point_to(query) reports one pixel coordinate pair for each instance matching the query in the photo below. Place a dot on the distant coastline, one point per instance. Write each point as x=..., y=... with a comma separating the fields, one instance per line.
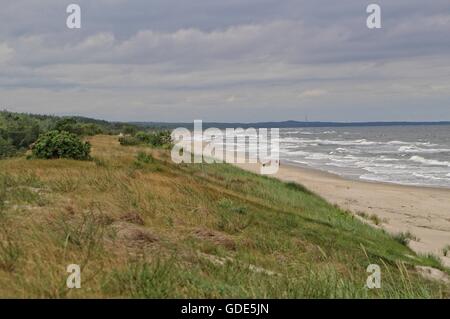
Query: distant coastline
x=263, y=124
x=286, y=124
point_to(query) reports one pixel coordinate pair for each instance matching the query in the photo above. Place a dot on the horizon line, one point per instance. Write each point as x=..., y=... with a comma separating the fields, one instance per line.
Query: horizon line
x=390, y=122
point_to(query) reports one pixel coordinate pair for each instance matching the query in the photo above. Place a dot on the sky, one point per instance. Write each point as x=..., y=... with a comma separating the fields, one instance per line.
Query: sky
x=227, y=61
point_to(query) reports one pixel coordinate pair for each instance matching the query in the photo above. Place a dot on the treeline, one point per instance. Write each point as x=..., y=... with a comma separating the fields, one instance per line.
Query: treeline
x=18, y=131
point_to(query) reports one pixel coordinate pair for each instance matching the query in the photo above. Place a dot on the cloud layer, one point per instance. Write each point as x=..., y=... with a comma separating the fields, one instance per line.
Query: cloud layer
x=227, y=60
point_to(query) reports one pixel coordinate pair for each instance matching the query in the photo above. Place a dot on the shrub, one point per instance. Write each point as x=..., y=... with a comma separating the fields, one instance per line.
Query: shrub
x=6, y=148
x=56, y=144
x=144, y=158
x=90, y=129
x=129, y=141
x=143, y=137
x=375, y=219
x=154, y=139
x=129, y=129
x=161, y=138
x=405, y=238
x=446, y=250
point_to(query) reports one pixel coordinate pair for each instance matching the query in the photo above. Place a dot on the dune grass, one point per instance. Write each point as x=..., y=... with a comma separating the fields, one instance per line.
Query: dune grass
x=140, y=226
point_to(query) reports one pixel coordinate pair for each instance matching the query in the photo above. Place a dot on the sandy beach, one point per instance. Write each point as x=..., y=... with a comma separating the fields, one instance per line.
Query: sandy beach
x=423, y=211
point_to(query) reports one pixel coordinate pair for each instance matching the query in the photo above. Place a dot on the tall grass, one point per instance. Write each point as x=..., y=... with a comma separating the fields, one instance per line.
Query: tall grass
x=203, y=231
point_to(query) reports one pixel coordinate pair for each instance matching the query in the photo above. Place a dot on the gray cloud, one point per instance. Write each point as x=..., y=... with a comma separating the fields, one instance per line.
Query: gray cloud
x=230, y=60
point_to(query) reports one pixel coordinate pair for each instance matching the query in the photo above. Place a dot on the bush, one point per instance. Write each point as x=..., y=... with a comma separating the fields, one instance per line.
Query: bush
x=128, y=141
x=143, y=137
x=405, y=238
x=56, y=144
x=446, y=250
x=155, y=139
x=6, y=148
x=129, y=129
x=144, y=158
x=161, y=138
x=90, y=129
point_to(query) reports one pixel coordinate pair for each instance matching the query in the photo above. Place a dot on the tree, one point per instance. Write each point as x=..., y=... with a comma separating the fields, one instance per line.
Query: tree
x=6, y=148
x=68, y=125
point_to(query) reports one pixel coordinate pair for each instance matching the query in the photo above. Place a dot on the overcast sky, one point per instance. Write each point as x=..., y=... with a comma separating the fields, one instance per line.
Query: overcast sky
x=228, y=60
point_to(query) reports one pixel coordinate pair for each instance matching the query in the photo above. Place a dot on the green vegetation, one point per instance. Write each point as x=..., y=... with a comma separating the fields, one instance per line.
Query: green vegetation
x=159, y=138
x=61, y=144
x=405, y=238
x=72, y=125
x=141, y=226
x=373, y=218
x=446, y=250
x=19, y=131
x=129, y=141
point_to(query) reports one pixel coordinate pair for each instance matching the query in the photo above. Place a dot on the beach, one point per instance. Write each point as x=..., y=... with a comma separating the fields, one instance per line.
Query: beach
x=423, y=211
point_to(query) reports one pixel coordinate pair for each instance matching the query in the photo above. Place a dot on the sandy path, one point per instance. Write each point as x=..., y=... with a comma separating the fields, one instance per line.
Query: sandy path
x=425, y=212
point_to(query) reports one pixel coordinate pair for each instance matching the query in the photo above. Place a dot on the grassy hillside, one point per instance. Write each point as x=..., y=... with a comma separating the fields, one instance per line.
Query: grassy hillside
x=140, y=226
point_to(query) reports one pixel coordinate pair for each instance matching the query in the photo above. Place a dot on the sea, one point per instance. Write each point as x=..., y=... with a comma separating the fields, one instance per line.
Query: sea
x=408, y=155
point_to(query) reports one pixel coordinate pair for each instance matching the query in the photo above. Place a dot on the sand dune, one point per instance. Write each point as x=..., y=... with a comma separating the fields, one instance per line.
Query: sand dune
x=425, y=212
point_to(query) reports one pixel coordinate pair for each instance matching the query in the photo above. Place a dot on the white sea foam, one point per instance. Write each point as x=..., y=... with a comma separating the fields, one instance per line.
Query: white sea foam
x=431, y=177
x=389, y=179
x=302, y=153
x=331, y=142
x=342, y=150
x=397, y=143
x=300, y=162
x=415, y=149
x=396, y=156
x=419, y=159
